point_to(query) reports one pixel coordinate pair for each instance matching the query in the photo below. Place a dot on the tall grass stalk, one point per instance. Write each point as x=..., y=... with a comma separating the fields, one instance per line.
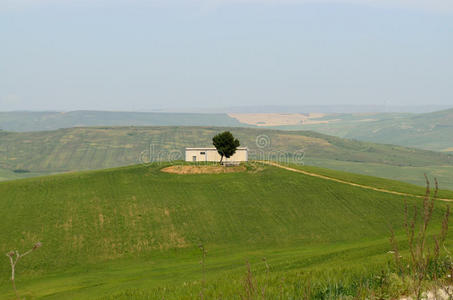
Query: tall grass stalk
x=249, y=284
x=423, y=260
x=203, y=269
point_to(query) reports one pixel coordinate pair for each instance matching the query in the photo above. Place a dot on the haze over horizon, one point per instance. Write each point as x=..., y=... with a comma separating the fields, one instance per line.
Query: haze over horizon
x=265, y=109
x=156, y=55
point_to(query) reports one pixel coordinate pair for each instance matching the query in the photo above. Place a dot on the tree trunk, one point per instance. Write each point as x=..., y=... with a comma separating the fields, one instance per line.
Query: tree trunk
x=221, y=160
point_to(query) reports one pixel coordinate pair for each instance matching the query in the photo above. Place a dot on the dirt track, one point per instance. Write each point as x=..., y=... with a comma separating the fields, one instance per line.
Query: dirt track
x=349, y=183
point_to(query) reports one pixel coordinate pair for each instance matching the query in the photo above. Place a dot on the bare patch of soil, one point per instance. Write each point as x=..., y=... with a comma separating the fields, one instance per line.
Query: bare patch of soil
x=203, y=169
x=278, y=119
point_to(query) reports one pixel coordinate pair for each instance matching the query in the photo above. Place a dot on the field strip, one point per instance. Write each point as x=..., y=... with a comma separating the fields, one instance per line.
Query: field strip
x=349, y=183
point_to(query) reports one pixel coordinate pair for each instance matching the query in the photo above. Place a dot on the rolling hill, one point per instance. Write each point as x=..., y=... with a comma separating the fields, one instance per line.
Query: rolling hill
x=39, y=121
x=134, y=232
x=25, y=154
x=430, y=131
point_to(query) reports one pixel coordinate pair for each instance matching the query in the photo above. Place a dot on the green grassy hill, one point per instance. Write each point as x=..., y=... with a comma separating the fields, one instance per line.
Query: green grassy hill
x=39, y=121
x=105, y=147
x=431, y=131
x=133, y=232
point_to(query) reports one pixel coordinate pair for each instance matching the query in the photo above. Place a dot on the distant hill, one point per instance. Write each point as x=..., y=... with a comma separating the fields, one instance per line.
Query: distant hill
x=109, y=231
x=332, y=109
x=39, y=121
x=430, y=131
x=30, y=153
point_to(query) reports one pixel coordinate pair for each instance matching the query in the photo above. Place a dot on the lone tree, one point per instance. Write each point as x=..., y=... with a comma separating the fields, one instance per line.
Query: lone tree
x=225, y=144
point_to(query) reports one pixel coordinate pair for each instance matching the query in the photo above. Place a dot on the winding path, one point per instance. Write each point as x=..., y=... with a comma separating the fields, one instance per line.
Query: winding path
x=348, y=183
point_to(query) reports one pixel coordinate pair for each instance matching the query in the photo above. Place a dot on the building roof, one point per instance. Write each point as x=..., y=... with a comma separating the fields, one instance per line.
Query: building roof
x=213, y=148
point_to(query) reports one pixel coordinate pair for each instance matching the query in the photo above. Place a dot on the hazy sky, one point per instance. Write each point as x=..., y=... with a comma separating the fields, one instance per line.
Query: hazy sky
x=144, y=55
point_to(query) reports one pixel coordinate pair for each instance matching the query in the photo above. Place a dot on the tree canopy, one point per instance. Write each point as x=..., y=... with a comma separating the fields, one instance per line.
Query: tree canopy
x=225, y=144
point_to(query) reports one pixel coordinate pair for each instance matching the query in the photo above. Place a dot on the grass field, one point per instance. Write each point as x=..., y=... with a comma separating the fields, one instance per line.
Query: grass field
x=409, y=174
x=96, y=148
x=133, y=232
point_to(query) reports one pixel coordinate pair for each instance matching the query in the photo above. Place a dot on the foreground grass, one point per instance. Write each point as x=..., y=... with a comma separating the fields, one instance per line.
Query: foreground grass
x=287, y=273
x=137, y=230
x=178, y=274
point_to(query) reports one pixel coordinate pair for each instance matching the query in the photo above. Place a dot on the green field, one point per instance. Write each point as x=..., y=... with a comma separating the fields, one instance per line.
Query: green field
x=76, y=149
x=133, y=232
x=409, y=174
x=430, y=131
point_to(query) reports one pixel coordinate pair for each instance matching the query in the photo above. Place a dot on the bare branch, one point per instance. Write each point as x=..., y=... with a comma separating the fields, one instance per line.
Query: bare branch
x=13, y=263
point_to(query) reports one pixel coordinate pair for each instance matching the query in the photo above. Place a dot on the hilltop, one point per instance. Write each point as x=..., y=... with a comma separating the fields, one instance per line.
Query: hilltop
x=33, y=153
x=109, y=231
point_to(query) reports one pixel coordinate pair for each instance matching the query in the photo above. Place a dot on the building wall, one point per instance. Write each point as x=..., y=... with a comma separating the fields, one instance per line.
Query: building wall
x=211, y=154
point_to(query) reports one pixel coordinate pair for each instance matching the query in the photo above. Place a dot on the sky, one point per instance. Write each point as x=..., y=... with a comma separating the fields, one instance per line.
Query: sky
x=138, y=55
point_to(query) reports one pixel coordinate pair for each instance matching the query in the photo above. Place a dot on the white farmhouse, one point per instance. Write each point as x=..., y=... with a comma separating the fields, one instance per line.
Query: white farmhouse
x=211, y=154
